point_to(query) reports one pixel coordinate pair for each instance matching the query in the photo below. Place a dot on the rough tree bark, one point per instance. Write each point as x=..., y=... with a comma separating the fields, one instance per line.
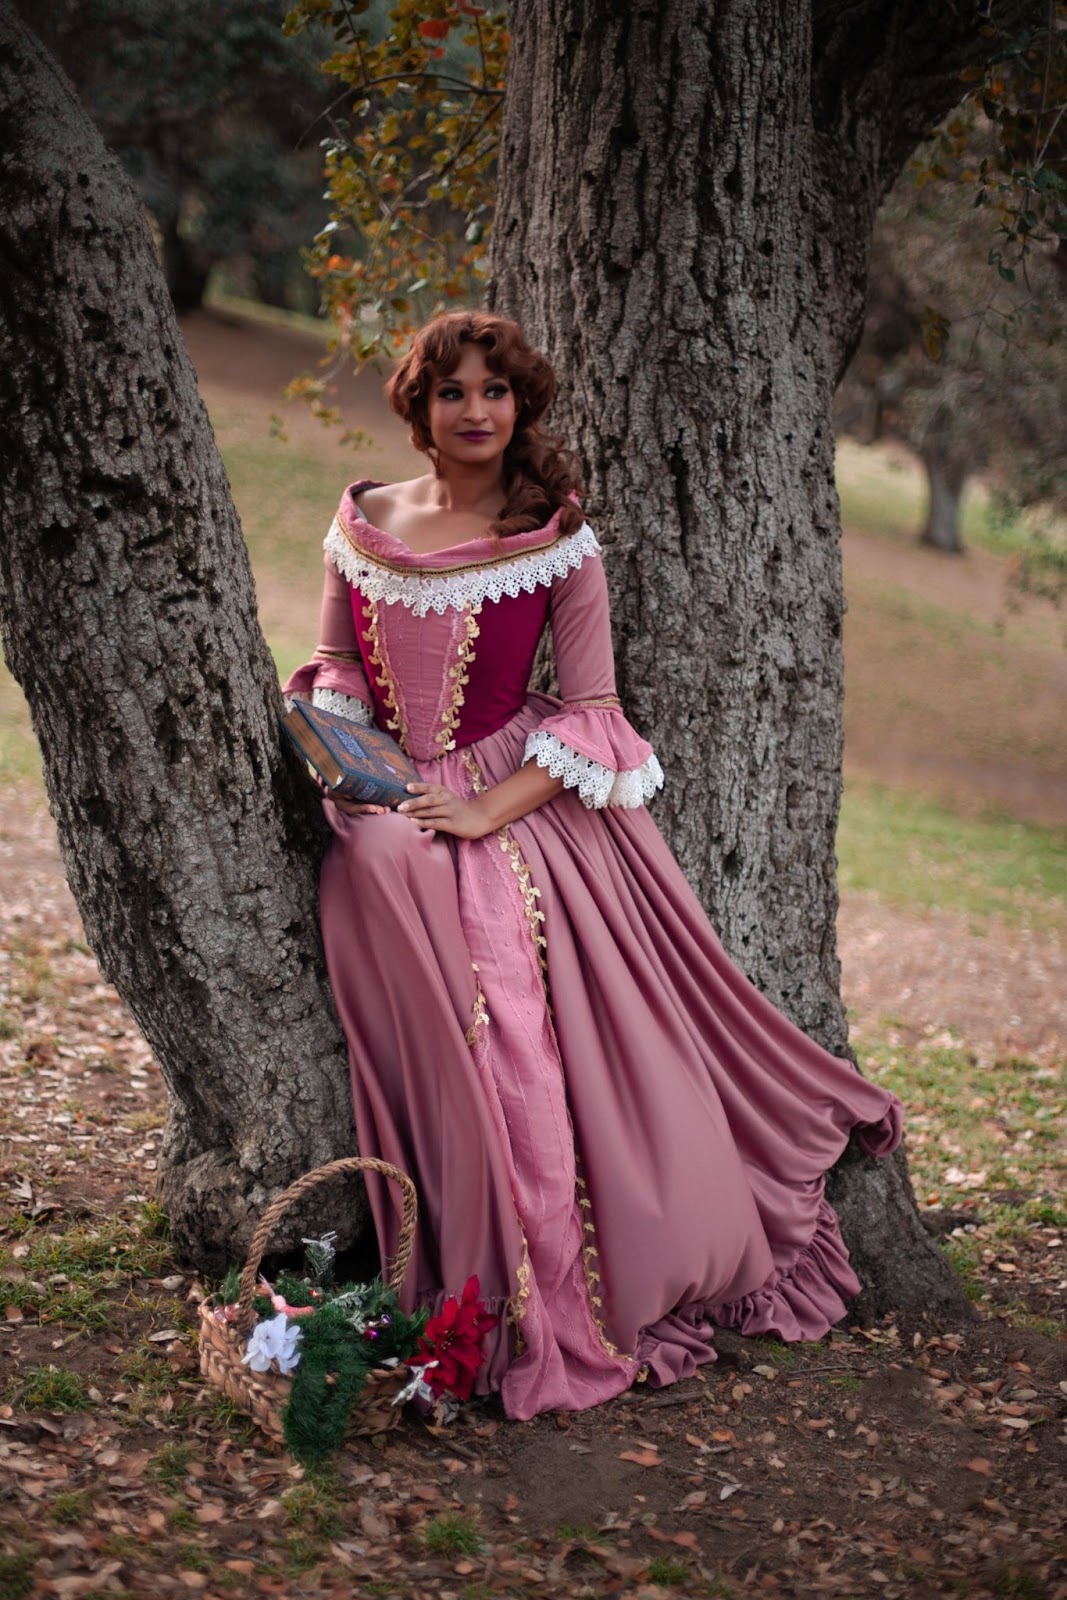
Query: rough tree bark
x=128, y=616
x=686, y=196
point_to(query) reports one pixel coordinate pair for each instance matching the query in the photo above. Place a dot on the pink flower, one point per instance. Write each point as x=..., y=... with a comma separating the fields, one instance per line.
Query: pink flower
x=455, y=1339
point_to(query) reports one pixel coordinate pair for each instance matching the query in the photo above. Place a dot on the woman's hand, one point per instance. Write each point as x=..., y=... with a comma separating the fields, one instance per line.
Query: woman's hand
x=351, y=808
x=433, y=806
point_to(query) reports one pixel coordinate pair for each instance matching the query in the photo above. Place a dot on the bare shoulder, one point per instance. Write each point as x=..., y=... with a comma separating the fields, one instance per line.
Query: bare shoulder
x=388, y=498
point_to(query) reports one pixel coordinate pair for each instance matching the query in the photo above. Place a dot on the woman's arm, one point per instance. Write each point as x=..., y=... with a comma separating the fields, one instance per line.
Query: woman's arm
x=432, y=806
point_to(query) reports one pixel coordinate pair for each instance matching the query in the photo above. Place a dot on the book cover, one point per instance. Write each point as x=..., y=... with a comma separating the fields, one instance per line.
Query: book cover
x=361, y=764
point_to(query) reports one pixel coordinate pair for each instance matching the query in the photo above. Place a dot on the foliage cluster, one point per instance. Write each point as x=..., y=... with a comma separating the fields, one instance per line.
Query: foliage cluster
x=410, y=165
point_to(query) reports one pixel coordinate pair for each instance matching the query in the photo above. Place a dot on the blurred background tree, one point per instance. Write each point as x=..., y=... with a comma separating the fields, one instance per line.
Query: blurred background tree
x=217, y=118
x=962, y=356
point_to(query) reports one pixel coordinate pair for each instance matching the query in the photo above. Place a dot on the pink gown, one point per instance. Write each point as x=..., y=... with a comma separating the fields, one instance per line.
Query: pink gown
x=605, y=1120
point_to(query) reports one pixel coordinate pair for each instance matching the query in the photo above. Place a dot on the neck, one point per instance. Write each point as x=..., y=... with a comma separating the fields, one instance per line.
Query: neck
x=462, y=488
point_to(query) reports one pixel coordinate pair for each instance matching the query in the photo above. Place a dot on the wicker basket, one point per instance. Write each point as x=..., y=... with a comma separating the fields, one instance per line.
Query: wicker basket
x=222, y=1344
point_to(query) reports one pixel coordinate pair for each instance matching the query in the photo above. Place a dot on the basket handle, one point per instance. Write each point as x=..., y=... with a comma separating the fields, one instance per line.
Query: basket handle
x=279, y=1206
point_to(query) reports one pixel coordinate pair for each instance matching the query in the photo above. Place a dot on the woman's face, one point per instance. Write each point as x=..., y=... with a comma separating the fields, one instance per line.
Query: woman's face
x=471, y=412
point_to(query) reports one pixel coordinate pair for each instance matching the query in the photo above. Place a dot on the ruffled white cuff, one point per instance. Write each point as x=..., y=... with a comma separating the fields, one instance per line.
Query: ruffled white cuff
x=598, y=785
x=349, y=706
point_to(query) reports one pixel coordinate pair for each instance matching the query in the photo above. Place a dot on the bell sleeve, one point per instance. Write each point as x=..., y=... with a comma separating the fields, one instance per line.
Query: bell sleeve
x=588, y=742
x=334, y=678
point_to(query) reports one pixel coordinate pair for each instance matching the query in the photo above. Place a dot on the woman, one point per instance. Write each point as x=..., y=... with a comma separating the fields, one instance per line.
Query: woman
x=605, y=1120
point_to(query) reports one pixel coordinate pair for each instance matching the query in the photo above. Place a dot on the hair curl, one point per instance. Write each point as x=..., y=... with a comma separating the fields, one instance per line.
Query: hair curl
x=540, y=477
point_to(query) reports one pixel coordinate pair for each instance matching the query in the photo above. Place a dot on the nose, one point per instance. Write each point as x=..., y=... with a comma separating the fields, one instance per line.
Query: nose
x=475, y=410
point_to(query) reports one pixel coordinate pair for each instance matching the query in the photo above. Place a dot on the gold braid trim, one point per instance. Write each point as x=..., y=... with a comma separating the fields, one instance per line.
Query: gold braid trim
x=459, y=675
x=516, y=1305
x=603, y=700
x=386, y=681
x=515, y=1308
x=530, y=894
x=479, y=1010
x=591, y=1265
x=339, y=655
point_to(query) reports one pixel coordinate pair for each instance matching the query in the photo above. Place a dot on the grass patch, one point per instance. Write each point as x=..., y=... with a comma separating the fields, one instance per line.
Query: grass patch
x=20, y=755
x=914, y=852
x=577, y=1530
x=452, y=1533
x=50, y=1388
x=671, y=1574
x=69, y=1276
x=16, y=1574
x=997, y=1123
x=171, y=1464
x=118, y=1245
x=314, y=1511
x=69, y=1507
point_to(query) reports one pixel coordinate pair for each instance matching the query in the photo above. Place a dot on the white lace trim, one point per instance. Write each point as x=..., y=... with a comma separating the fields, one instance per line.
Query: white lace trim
x=343, y=705
x=439, y=591
x=598, y=785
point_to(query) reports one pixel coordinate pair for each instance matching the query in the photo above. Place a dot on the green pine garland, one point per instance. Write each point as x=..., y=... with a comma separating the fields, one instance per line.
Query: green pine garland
x=335, y=1358
x=328, y=1381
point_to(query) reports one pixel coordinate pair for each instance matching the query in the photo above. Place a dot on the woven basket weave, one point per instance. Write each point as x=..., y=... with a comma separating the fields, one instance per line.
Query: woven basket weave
x=222, y=1344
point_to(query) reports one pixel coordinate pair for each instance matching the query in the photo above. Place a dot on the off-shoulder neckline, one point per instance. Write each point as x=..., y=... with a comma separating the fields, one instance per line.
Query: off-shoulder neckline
x=515, y=543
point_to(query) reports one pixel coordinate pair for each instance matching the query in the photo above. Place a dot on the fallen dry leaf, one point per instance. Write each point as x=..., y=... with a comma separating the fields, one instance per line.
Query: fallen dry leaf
x=641, y=1458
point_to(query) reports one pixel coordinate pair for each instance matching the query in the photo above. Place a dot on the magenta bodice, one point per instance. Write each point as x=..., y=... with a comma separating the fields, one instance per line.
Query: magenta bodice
x=490, y=668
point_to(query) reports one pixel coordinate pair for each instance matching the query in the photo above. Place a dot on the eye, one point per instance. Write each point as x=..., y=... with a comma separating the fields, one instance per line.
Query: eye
x=497, y=391
x=449, y=392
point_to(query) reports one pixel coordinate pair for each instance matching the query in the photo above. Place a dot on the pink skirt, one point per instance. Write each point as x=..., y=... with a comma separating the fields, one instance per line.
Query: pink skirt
x=605, y=1120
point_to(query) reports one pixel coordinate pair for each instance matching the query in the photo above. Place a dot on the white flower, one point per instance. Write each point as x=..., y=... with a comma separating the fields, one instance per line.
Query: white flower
x=274, y=1340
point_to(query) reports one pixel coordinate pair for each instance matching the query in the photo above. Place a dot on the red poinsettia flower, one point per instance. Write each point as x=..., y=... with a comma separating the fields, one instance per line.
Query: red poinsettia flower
x=455, y=1339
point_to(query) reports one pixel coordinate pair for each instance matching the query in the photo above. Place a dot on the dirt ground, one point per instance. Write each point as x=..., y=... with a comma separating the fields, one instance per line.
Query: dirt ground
x=881, y=1461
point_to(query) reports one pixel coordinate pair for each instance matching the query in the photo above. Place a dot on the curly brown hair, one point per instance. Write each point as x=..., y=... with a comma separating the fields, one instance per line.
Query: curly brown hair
x=540, y=476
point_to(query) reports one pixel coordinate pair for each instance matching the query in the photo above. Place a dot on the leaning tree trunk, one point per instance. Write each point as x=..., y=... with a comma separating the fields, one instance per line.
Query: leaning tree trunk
x=946, y=476
x=128, y=616
x=681, y=225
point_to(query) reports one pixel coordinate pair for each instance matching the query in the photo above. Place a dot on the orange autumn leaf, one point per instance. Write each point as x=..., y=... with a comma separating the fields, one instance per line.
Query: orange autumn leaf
x=643, y=1458
x=435, y=28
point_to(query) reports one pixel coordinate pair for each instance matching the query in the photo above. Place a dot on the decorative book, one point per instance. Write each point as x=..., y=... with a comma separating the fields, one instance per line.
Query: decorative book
x=360, y=764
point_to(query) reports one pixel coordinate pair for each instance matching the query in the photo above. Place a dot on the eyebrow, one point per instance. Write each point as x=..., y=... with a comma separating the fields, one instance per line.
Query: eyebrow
x=496, y=377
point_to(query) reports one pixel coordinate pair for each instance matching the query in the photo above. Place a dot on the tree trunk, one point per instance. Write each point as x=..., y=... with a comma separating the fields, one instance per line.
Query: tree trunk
x=128, y=616
x=671, y=228
x=185, y=268
x=946, y=475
